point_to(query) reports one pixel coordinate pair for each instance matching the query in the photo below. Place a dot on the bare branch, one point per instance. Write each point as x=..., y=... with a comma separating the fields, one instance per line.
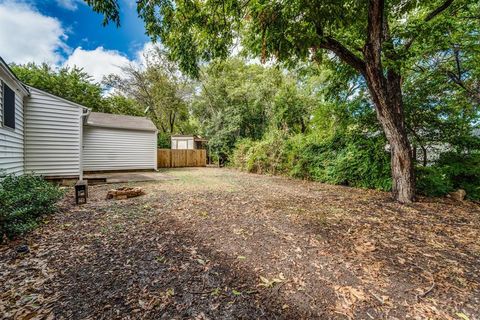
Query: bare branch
x=439, y=10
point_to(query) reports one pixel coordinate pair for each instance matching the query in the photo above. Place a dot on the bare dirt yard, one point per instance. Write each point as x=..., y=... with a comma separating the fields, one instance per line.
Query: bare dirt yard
x=220, y=244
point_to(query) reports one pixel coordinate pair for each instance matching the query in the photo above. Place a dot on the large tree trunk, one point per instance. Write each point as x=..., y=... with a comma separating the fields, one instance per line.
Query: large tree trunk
x=403, y=179
x=386, y=90
x=387, y=96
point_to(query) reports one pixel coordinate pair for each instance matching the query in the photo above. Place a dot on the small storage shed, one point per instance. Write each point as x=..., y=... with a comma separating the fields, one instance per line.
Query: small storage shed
x=118, y=142
x=187, y=142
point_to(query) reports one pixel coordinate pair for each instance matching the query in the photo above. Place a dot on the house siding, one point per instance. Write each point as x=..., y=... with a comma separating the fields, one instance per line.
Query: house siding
x=12, y=140
x=107, y=149
x=52, y=135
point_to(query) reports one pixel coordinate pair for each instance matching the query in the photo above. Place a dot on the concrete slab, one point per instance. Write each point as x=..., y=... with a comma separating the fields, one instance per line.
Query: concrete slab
x=124, y=177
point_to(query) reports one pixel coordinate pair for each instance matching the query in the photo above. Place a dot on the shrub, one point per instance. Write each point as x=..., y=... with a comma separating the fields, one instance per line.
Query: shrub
x=264, y=156
x=452, y=171
x=463, y=171
x=23, y=199
x=163, y=140
x=239, y=156
x=432, y=181
x=353, y=159
x=346, y=159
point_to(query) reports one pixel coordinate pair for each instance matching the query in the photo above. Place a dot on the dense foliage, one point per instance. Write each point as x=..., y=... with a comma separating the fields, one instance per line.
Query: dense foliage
x=348, y=159
x=23, y=200
x=236, y=100
x=380, y=40
x=341, y=142
x=69, y=83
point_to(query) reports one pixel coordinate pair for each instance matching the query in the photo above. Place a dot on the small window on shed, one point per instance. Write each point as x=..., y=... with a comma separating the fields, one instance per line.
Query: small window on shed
x=8, y=107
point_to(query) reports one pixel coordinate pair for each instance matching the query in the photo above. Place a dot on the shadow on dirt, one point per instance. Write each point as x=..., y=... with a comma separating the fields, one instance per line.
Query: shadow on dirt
x=157, y=272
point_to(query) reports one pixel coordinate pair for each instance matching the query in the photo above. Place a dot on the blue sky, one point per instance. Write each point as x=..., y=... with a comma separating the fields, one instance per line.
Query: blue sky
x=68, y=33
x=84, y=27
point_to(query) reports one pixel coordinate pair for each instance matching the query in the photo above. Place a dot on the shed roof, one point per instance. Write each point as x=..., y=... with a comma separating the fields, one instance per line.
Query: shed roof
x=195, y=137
x=117, y=121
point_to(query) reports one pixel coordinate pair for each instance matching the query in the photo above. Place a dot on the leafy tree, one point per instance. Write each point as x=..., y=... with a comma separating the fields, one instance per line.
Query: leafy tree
x=291, y=108
x=119, y=104
x=442, y=90
x=234, y=101
x=158, y=89
x=69, y=83
x=374, y=37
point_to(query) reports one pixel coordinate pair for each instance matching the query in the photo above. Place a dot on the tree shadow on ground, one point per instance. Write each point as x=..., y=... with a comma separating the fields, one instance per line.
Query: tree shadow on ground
x=156, y=271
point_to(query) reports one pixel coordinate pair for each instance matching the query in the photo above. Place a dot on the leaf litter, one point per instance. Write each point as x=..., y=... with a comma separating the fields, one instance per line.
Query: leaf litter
x=220, y=244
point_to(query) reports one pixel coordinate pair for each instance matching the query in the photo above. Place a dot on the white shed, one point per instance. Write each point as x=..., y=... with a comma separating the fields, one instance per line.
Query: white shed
x=189, y=142
x=119, y=142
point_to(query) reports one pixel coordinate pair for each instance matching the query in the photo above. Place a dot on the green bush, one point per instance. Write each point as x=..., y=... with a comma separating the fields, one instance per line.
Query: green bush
x=163, y=140
x=353, y=159
x=23, y=199
x=452, y=171
x=432, y=181
x=348, y=159
x=463, y=171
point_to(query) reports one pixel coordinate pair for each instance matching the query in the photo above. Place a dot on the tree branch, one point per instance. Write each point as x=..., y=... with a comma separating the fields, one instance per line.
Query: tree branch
x=343, y=53
x=375, y=30
x=439, y=10
x=429, y=17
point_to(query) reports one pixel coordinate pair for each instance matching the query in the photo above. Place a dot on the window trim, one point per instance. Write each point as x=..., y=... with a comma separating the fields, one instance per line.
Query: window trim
x=2, y=123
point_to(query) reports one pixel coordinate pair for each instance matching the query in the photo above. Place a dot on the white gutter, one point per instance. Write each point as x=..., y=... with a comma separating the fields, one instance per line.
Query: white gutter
x=83, y=116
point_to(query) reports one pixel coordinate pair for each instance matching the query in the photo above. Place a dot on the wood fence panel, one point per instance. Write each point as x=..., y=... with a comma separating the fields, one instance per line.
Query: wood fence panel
x=201, y=158
x=164, y=158
x=167, y=158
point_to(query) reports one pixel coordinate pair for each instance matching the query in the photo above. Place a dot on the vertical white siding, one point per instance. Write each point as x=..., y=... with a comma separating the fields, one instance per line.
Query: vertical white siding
x=12, y=141
x=52, y=135
x=118, y=149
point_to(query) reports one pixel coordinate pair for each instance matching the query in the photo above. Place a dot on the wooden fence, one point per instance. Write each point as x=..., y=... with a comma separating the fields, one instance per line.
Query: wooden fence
x=168, y=158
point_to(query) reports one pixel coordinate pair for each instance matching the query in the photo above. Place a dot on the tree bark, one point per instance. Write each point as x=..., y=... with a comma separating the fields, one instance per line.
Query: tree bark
x=386, y=92
x=424, y=153
x=390, y=115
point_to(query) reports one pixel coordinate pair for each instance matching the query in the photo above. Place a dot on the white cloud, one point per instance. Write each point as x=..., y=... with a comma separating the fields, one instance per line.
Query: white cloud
x=71, y=5
x=28, y=36
x=142, y=54
x=99, y=62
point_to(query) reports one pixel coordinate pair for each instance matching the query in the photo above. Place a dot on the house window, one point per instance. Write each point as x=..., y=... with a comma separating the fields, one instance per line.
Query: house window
x=8, y=107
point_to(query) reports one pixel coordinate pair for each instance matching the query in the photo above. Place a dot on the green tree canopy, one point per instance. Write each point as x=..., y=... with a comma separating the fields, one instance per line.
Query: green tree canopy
x=69, y=83
x=376, y=38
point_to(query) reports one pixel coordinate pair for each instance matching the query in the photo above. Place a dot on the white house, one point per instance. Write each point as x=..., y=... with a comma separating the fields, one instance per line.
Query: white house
x=44, y=134
x=189, y=142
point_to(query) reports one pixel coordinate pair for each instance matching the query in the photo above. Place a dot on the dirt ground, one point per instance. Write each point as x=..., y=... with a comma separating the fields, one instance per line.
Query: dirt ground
x=220, y=244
